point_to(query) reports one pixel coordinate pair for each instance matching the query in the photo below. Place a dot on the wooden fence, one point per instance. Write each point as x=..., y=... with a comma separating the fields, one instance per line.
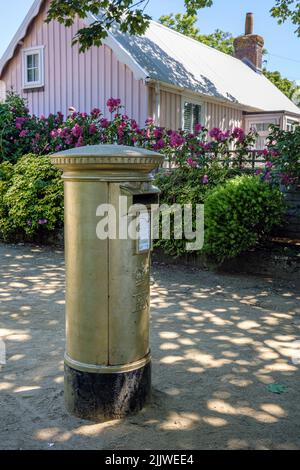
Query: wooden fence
x=249, y=162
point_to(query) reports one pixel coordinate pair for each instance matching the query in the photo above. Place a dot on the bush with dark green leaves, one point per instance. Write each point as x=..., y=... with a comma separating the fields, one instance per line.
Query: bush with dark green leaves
x=31, y=199
x=186, y=185
x=240, y=213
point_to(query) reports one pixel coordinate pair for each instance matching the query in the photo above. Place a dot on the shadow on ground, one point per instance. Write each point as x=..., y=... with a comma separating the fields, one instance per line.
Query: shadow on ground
x=218, y=341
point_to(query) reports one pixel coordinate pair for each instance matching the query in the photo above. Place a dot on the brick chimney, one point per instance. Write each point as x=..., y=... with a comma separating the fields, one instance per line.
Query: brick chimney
x=249, y=48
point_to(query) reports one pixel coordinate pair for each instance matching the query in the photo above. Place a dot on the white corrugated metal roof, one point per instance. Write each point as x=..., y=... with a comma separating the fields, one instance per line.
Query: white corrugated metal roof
x=173, y=58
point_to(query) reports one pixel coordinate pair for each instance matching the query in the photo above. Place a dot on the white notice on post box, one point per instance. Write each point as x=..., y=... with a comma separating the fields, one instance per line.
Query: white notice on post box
x=144, y=240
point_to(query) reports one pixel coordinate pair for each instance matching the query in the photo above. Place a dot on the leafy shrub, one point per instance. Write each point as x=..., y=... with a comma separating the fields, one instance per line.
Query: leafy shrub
x=31, y=198
x=21, y=133
x=283, y=160
x=187, y=185
x=282, y=157
x=240, y=213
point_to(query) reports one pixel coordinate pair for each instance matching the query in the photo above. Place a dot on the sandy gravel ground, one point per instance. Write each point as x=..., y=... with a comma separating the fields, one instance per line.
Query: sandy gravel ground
x=217, y=342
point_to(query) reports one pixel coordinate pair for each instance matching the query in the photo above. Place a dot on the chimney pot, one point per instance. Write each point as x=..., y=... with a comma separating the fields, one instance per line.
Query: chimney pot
x=249, y=48
x=249, y=24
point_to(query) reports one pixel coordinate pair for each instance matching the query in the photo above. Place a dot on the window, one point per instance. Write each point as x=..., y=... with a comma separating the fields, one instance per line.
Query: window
x=191, y=116
x=291, y=125
x=262, y=128
x=33, y=67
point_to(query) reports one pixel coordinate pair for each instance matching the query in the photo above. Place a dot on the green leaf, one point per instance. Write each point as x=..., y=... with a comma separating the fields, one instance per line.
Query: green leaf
x=277, y=388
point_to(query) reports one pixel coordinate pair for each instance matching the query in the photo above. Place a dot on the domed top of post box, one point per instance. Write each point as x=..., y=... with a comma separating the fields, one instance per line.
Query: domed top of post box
x=107, y=158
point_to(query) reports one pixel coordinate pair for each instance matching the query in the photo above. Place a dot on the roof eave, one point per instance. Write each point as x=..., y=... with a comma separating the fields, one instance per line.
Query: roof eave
x=121, y=53
x=20, y=34
x=204, y=96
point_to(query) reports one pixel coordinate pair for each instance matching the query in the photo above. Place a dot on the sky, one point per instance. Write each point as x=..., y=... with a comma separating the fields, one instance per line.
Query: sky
x=281, y=42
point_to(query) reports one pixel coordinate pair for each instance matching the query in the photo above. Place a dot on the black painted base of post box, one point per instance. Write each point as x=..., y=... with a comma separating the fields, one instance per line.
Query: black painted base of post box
x=103, y=397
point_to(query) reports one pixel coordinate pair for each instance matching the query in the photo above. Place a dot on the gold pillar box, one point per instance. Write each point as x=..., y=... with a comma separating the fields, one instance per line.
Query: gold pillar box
x=107, y=360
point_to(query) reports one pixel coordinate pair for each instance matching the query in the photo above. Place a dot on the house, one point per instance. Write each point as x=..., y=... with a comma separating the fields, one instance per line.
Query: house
x=174, y=79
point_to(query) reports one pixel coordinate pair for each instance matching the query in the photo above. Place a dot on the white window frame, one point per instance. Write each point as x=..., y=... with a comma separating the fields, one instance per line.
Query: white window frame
x=290, y=122
x=253, y=121
x=31, y=51
x=191, y=100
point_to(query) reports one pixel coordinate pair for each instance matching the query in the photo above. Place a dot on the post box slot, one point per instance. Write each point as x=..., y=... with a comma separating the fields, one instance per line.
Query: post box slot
x=145, y=199
x=147, y=196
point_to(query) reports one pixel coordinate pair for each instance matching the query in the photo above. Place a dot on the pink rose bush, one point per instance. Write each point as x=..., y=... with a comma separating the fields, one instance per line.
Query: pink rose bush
x=281, y=157
x=45, y=135
x=24, y=133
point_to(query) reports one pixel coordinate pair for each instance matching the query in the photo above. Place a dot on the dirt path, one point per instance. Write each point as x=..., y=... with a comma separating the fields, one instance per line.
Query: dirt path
x=217, y=342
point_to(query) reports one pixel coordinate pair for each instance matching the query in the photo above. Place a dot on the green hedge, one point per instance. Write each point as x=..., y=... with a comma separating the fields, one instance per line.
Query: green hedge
x=239, y=214
x=239, y=210
x=31, y=198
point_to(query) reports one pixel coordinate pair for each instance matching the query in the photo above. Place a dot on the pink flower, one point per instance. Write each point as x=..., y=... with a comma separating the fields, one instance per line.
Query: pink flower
x=191, y=163
x=104, y=123
x=121, y=129
x=79, y=142
x=95, y=112
x=267, y=176
x=149, y=121
x=77, y=131
x=113, y=104
x=208, y=147
x=19, y=122
x=60, y=117
x=238, y=134
x=158, y=133
x=160, y=144
x=64, y=132
x=42, y=222
x=176, y=140
x=198, y=128
x=92, y=129
x=23, y=133
x=286, y=179
x=264, y=153
x=134, y=125
x=269, y=164
x=205, y=179
x=215, y=132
